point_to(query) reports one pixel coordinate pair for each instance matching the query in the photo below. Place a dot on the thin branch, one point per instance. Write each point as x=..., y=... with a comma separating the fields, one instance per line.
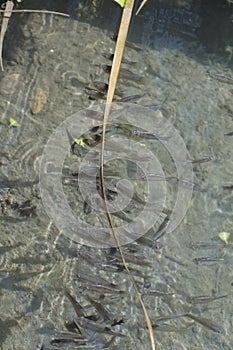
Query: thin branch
x=38, y=11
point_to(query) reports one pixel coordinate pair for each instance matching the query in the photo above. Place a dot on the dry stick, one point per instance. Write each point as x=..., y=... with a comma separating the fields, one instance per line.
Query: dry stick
x=126, y=16
x=5, y=20
x=141, y=6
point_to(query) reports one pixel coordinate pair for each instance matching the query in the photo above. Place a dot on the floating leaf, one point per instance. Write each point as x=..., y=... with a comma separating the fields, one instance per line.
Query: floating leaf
x=13, y=122
x=224, y=236
x=120, y=2
x=80, y=142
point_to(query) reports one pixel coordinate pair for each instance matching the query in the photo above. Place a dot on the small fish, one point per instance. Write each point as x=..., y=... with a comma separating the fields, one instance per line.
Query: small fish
x=202, y=160
x=89, y=324
x=110, y=57
x=228, y=187
x=203, y=321
x=100, y=86
x=207, y=260
x=164, y=327
x=148, y=242
x=156, y=293
x=220, y=77
x=86, y=208
x=124, y=74
x=162, y=228
x=229, y=134
x=147, y=135
x=103, y=312
x=93, y=93
x=77, y=307
x=205, y=245
x=202, y=299
x=213, y=326
x=128, y=44
x=131, y=99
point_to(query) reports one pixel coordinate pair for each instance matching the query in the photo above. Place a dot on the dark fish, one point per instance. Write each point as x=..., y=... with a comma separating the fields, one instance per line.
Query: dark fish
x=212, y=325
x=89, y=324
x=128, y=44
x=205, y=245
x=124, y=74
x=148, y=135
x=164, y=327
x=100, y=86
x=215, y=327
x=222, y=78
x=148, y=242
x=229, y=134
x=202, y=299
x=110, y=57
x=131, y=99
x=86, y=208
x=228, y=187
x=207, y=260
x=93, y=93
x=156, y=293
x=202, y=160
x=102, y=289
x=77, y=307
x=162, y=228
x=102, y=311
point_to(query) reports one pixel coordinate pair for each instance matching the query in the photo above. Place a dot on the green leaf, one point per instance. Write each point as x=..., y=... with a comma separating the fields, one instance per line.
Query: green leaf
x=120, y=2
x=224, y=236
x=13, y=122
x=80, y=142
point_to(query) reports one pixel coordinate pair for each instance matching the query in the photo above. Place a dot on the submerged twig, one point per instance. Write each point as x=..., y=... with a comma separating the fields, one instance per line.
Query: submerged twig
x=141, y=6
x=37, y=11
x=6, y=16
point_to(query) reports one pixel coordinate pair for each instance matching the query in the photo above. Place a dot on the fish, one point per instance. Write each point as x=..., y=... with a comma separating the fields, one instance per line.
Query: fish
x=124, y=74
x=202, y=299
x=102, y=311
x=229, y=134
x=164, y=327
x=205, y=245
x=220, y=77
x=202, y=160
x=110, y=56
x=100, y=86
x=6, y=16
x=94, y=326
x=128, y=44
x=132, y=98
x=207, y=260
x=77, y=307
x=148, y=135
x=93, y=93
x=212, y=325
x=228, y=187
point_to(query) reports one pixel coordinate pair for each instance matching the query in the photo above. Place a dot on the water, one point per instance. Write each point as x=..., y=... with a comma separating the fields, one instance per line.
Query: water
x=48, y=62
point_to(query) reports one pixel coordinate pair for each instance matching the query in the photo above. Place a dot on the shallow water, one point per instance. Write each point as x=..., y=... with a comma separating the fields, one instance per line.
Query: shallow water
x=47, y=66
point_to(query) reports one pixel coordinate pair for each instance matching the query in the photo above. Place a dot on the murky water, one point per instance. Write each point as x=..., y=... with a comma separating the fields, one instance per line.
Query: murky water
x=48, y=63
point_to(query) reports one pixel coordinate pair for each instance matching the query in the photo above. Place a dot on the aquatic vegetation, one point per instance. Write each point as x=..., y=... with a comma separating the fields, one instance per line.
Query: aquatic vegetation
x=224, y=236
x=13, y=122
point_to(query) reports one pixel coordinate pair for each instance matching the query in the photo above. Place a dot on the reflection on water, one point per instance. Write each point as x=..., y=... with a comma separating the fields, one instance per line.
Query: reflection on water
x=49, y=61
